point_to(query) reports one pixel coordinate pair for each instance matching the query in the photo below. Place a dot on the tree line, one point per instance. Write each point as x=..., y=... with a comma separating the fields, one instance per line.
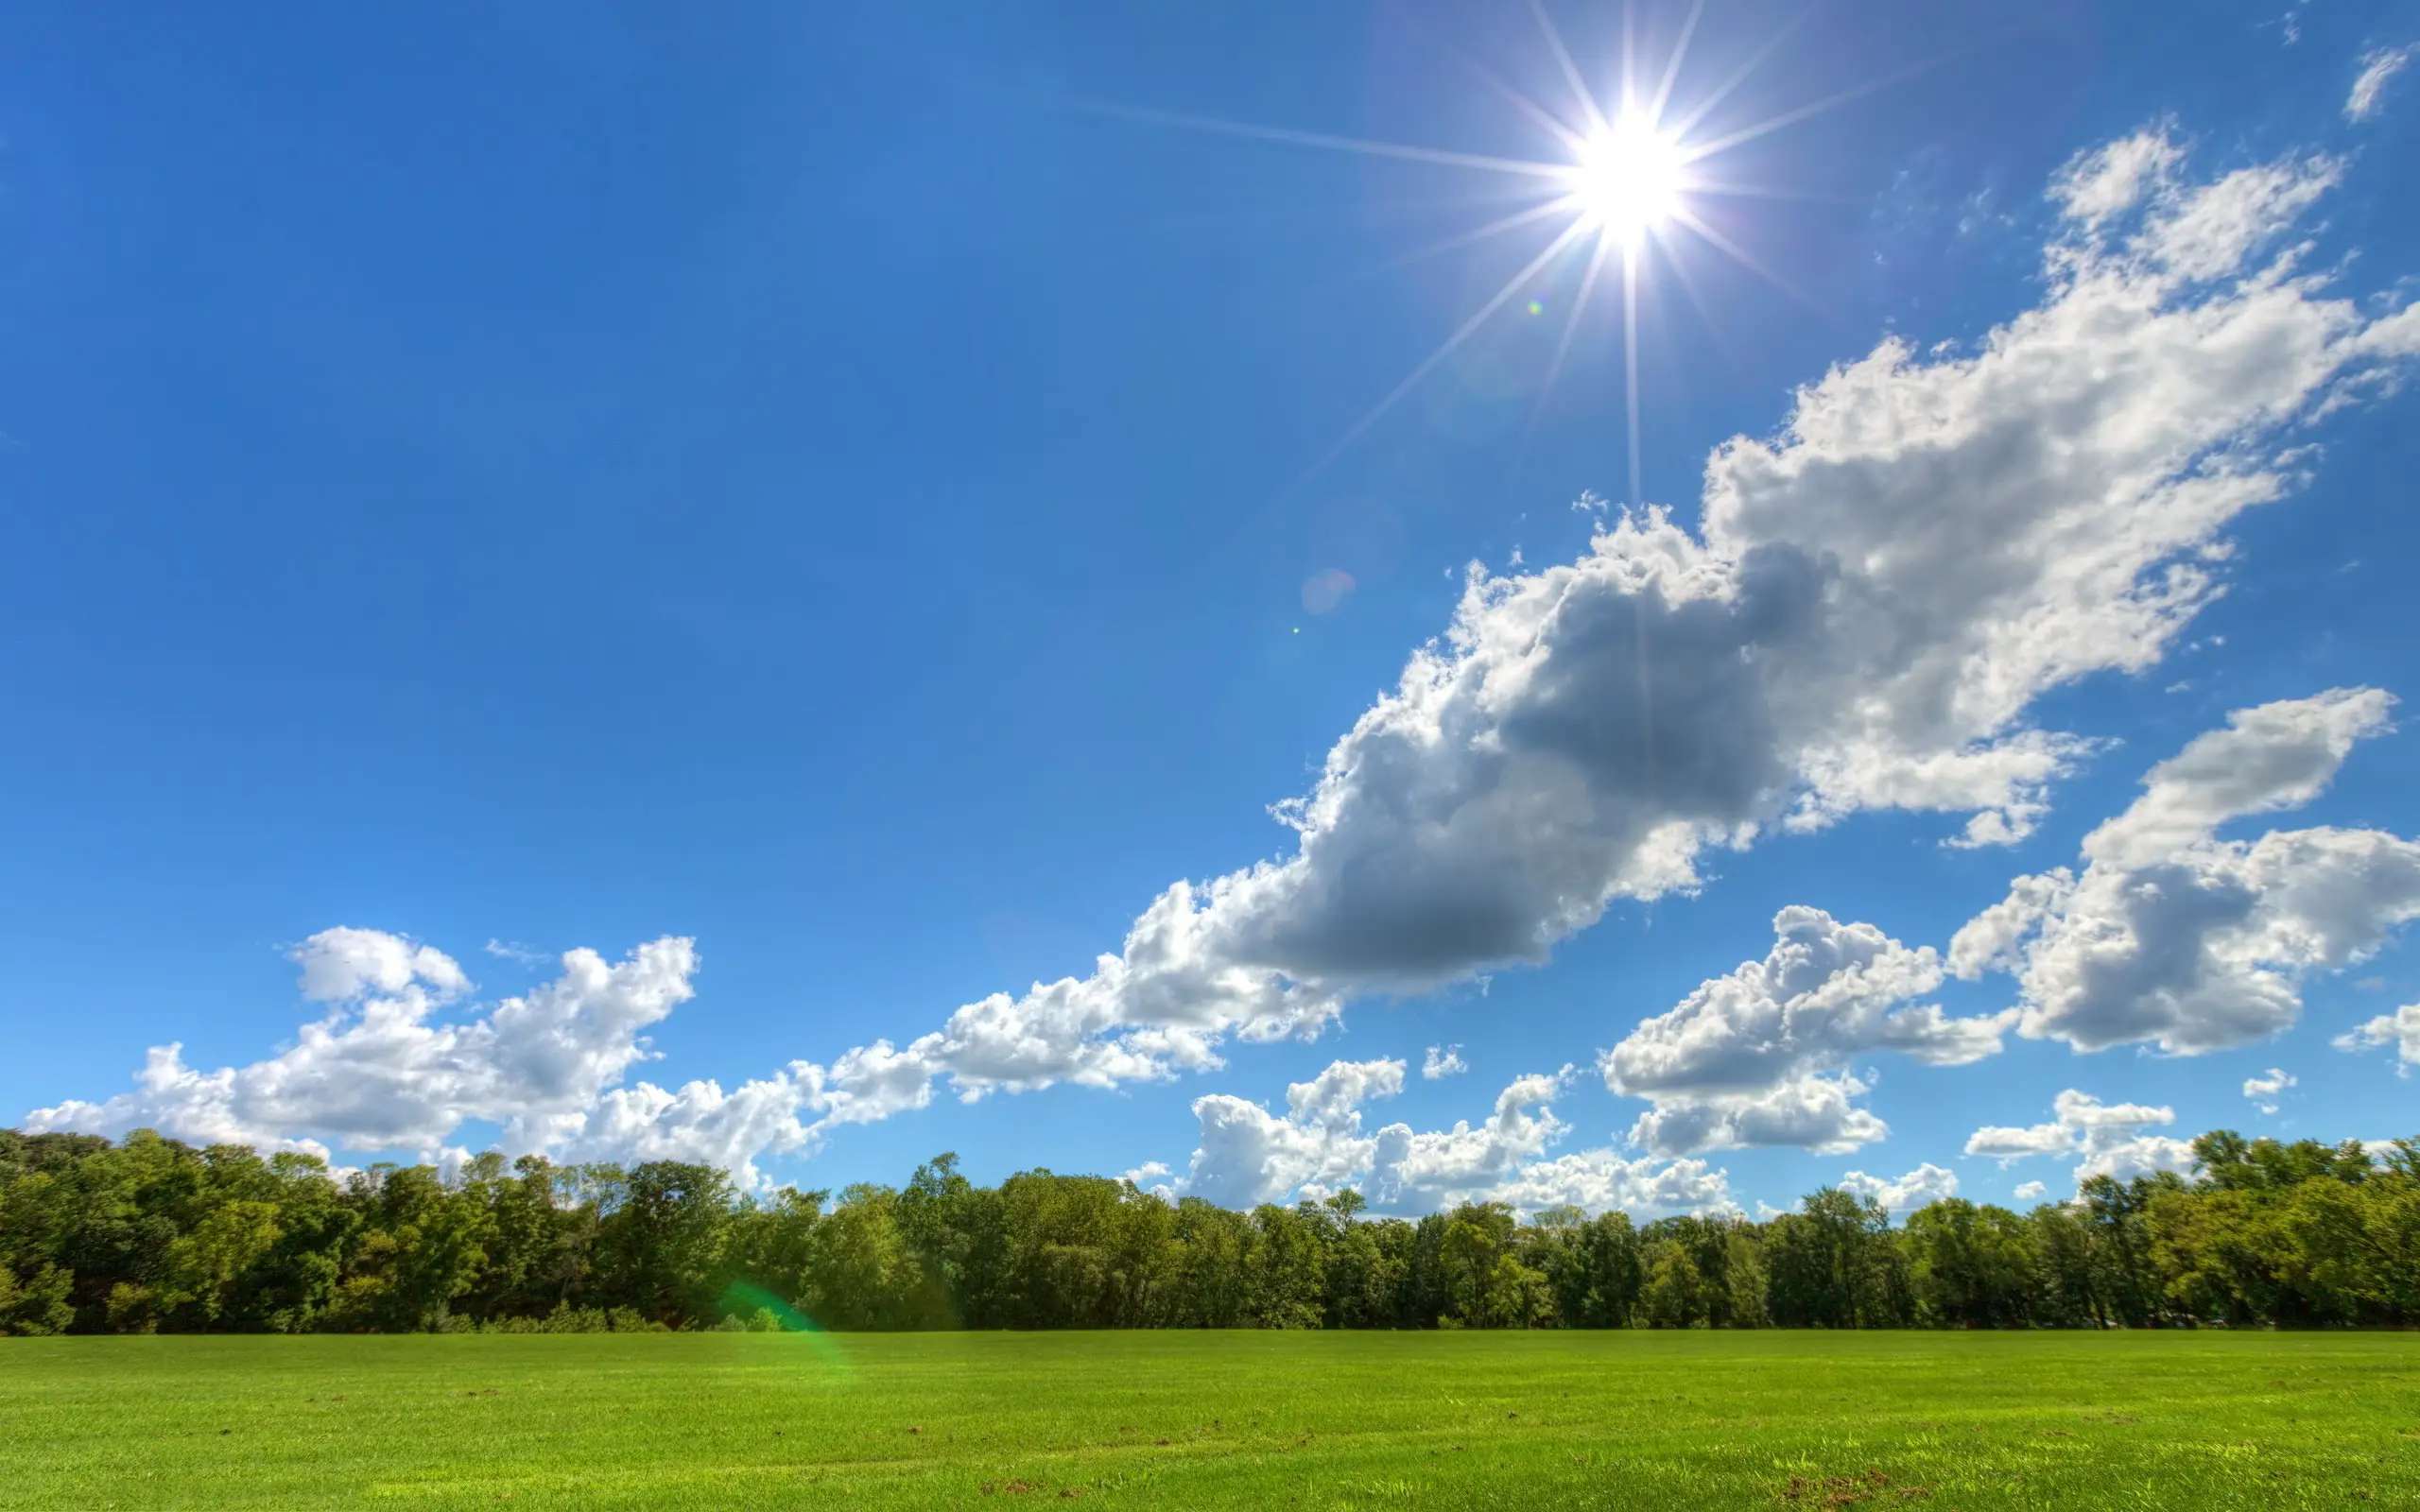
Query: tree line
x=151, y=1235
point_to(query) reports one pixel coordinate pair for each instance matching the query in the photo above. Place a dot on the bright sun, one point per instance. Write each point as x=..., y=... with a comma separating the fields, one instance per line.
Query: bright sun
x=1624, y=190
x=1629, y=178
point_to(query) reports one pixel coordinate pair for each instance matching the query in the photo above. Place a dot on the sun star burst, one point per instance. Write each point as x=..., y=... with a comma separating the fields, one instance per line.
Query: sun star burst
x=1621, y=196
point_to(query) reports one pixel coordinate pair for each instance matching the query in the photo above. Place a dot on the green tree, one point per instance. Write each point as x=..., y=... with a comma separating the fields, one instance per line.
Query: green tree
x=1971, y=1267
x=1480, y=1291
x=1287, y=1268
x=2115, y=1217
x=1676, y=1294
x=1834, y=1265
x=208, y=1268
x=422, y=1245
x=663, y=1247
x=36, y=1305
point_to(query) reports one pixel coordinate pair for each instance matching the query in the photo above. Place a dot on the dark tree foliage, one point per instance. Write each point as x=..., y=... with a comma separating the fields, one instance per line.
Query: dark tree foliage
x=150, y=1235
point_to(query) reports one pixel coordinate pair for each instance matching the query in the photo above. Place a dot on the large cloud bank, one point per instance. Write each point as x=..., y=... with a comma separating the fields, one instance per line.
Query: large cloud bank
x=1872, y=599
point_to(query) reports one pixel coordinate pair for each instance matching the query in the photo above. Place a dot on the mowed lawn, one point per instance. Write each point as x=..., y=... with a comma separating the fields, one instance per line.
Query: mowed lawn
x=1623, y=1420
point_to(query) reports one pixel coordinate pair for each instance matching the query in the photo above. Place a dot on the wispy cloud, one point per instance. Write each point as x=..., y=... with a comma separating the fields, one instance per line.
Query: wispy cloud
x=520, y=955
x=2379, y=65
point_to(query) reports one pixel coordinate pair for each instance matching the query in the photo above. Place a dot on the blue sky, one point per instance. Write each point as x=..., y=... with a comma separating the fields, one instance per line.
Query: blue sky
x=872, y=496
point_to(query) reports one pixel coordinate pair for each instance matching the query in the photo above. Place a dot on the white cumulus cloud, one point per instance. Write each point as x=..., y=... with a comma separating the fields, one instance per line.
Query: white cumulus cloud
x=1504, y=1160
x=1250, y=1154
x=1602, y=1181
x=1443, y=1060
x=2110, y=1137
x=1760, y=1057
x=1928, y=1183
x=2399, y=1029
x=379, y=1073
x=1432, y=1167
x=341, y=964
x=2266, y=1088
x=2173, y=936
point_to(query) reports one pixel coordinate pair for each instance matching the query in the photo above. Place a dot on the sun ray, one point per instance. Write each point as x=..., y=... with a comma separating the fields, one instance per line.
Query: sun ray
x=1539, y=116
x=1729, y=190
x=1444, y=349
x=1680, y=267
x=1587, y=98
x=1630, y=56
x=1748, y=260
x=1477, y=233
x=1563, y=343
x=1325, y=142
x=1672, y=68
x=1630, y=367
x=1560, y=132
x=1395, y=210
x=1722, y=144
x=1739, y=75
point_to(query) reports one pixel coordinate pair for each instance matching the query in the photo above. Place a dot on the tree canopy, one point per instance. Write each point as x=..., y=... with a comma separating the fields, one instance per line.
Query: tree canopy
x=153, y=1235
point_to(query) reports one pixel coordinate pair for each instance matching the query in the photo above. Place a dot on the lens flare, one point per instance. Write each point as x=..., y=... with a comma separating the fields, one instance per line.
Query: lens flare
x=746, y=1300
x=1325, y=589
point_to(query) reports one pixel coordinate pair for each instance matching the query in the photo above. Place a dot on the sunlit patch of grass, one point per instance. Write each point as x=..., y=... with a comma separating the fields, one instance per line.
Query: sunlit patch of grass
x=1767, y=1419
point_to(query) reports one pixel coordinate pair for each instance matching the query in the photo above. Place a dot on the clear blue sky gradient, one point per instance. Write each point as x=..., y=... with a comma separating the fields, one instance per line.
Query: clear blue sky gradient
x=795, y=476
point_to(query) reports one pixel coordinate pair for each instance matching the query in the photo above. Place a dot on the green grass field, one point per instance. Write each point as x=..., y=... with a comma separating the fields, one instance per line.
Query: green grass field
x=1768, y=1419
